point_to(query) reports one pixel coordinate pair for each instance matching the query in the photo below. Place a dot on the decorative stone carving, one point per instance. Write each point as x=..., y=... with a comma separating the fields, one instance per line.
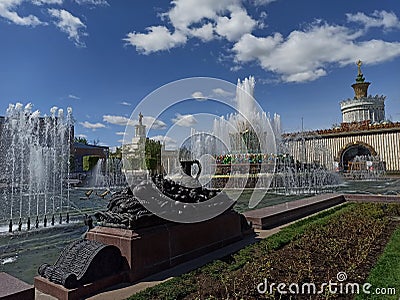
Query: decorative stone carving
x=81, y=262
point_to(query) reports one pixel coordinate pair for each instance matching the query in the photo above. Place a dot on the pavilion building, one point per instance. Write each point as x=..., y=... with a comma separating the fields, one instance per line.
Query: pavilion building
x=364, y=131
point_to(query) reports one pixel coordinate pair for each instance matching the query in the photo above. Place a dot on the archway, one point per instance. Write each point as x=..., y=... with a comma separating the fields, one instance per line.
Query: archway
x=352, y=150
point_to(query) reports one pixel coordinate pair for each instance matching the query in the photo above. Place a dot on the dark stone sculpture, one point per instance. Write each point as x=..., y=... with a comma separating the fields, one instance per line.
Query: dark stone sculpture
x=125, y=209
x=81, y=262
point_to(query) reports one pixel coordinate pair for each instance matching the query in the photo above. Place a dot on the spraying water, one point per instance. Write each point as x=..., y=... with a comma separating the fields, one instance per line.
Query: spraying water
x=36, y=164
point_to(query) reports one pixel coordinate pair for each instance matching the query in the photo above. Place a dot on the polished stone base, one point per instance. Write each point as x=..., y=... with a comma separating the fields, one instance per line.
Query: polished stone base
x=12, y=288
x=154, y=249
x=273, y=216
x=276, y=215
x=62, y=293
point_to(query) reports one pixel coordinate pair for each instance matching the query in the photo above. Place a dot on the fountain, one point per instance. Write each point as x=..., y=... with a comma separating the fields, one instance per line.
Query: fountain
x=107, y=173
x=247, y=157
x=250, y=130
x=301, y=166
x=34, y=166
x=366, y=167
x=250, y=133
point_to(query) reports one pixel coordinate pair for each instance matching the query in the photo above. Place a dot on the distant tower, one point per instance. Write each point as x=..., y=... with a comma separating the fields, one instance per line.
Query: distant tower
x=136, y=149
x=363, y=107
x=140, y=129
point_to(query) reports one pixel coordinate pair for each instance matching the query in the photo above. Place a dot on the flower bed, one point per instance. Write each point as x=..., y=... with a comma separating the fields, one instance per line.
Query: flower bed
x=339, y=246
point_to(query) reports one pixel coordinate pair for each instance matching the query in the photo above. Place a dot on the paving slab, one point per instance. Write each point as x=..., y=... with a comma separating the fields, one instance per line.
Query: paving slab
x=12, y=288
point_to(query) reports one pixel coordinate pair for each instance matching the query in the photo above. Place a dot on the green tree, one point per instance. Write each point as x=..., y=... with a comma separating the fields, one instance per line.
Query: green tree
x=79, y=139
x=153, y=156
x=89, y=161
x=117, y=153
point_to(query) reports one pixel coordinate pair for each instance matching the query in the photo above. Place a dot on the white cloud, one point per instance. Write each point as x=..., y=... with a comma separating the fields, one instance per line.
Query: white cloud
x=125, y=103
x=205, y=32
x=93, y=126
x=47, y=2
x=304, y=76
x=84, y=136
x=197, y=94
x=262, y=2
x=186, y=13
x=184, y=120
x=65, y=21
x=387, y=20
x=206, y=20
x=250, y=48
x=120, y=133
x=221, y=92
x=304, y=55
x=153, y=123
x=7, y=11
x=93, y=2
x=124, y=121
x=118, y=120
x=157, y=38
x=233, y=27
x=73, y=97
x=69, y=24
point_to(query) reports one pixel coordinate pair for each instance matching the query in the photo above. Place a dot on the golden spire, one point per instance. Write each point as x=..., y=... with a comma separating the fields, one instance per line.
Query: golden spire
x=360, y=87
x=360, y=77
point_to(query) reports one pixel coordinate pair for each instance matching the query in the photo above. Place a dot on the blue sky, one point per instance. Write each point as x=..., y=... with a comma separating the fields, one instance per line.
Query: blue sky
x=102, y=57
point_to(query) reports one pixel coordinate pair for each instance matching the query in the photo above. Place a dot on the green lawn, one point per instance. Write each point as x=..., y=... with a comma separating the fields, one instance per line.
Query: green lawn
x=386, y=274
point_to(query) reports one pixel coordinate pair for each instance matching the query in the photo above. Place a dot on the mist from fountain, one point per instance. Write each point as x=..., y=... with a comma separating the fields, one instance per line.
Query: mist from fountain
x=254, y=132
x=35, y=165
x=366, y=167
x=107, y=173
x=249, y=119
x=249, y=131
x=301, y=166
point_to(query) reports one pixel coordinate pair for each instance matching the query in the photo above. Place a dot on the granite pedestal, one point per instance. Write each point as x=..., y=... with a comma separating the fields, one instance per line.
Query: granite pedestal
x=153, y=249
